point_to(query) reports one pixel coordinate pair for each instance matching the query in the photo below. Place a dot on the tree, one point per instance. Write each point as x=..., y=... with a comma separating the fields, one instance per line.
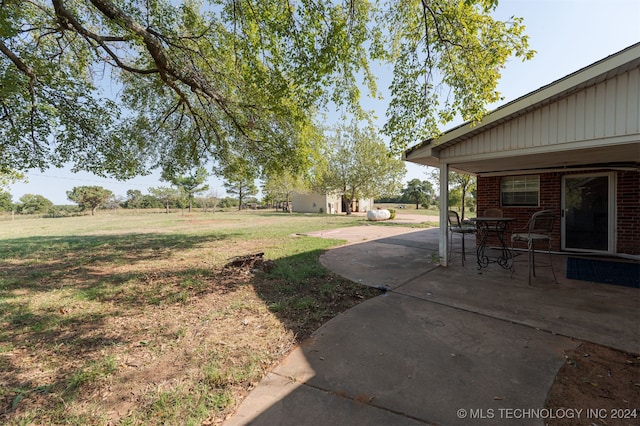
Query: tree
x=228, y=202
x=134, y=199
x=114, y=202
x=165, y=195
x=237, y=78
x=461, y=186
x=464, y=183
x=9, y=176
x=449, y=68
x=34, y=204
x=418, y=191
x=279, y=188
x=89, y=197
x=242, y=187
x=210, y=199
x=239, y=180
x=191, y=184
x=6, y=205
x=358, y=165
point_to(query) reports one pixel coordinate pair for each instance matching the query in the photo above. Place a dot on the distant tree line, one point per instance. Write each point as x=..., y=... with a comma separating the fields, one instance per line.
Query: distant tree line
x=88, y=199
x=276, y=194
x=462, y=193
x=418, y=192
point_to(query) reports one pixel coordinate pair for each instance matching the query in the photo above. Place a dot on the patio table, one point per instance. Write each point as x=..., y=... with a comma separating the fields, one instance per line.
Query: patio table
x=498, y=226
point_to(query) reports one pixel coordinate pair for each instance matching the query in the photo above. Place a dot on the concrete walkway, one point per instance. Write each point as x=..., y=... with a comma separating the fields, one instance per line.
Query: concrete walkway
x=443, y=346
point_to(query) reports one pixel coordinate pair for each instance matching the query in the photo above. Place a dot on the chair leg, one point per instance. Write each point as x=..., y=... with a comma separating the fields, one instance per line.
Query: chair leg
x=531, y=259
x=551, y=265
x=513, y=264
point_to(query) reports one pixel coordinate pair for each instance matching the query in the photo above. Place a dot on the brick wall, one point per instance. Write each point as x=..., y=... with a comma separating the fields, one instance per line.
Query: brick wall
x=628, y=212
x=628, y=207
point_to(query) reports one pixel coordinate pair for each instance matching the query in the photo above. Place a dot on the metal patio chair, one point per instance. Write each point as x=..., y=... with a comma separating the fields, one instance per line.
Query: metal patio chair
x=539, y=229
x=493, y=213
x=456, y=227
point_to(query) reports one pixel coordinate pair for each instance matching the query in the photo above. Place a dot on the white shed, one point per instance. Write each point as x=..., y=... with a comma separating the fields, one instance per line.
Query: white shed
x=314, y=202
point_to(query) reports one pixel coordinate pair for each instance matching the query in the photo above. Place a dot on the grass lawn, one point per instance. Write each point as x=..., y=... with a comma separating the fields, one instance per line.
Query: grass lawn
x=132, y=319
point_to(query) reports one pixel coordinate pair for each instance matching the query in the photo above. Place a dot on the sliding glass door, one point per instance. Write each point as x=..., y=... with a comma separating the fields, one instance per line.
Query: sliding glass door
x=588, y=207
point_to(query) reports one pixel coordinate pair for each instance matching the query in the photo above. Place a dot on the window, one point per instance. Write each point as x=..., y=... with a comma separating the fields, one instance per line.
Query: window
x=520, y=190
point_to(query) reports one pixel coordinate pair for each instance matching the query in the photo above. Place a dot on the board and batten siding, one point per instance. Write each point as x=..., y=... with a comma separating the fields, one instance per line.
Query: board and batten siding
x=603, y=111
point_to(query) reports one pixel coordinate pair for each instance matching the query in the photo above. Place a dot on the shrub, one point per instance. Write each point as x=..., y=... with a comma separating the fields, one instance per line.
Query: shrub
x=393, y=214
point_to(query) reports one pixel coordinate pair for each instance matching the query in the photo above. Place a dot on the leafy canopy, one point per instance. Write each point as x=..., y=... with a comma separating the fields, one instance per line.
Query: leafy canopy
x=418, y=191
x=89, y=197
x=190, y=184
x=9, y=177
x=195, y=82
x=239, y=180
x=358, y=165
x=447, y=59
x=34, y=204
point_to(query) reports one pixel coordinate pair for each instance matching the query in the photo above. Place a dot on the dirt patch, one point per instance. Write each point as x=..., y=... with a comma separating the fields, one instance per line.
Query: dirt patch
x=597, y=386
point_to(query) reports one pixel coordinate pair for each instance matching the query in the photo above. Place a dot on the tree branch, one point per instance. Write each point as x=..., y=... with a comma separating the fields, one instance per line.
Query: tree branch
x=24, y=68
x=67, y=20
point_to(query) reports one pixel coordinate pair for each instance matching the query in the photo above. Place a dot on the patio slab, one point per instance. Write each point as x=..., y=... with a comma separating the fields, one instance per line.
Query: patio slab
x=397, y=359
x=442, y=345
x=599, y=313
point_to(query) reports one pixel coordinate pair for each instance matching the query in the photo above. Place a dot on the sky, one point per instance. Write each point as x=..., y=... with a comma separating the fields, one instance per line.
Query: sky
x=567, y=35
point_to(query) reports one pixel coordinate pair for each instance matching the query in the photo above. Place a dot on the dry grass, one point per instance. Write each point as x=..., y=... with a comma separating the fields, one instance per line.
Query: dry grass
x=134, y=319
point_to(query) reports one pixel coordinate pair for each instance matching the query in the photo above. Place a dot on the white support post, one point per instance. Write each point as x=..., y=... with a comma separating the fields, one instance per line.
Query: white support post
x=444, y=214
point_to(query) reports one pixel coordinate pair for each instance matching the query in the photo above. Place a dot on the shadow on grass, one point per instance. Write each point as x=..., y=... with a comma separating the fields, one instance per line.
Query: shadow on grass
x=63, y=299
x=85, y=268
x=41, y=264
x=303, y=294
x=108, y=248
x=57, y=294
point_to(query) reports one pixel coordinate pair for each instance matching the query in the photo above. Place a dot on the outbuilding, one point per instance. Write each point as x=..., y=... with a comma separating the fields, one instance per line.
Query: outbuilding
x=315, y=202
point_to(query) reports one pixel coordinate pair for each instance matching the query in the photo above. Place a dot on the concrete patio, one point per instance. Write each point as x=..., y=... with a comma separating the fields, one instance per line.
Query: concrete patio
x=599, y=313
x=443, y=345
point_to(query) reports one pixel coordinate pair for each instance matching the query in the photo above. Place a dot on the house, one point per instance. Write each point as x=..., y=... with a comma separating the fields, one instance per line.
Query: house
x=572, y=146
x=314, y=202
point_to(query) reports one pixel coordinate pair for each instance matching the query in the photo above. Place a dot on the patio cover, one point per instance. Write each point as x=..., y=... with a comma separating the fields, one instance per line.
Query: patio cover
x=587, y=120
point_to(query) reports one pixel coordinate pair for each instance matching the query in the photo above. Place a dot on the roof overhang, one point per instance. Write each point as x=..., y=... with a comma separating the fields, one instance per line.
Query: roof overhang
x=619, y=154
x=622, y=151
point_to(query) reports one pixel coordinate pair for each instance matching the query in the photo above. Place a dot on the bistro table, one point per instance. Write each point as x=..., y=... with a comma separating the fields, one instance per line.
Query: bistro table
x=497, y=226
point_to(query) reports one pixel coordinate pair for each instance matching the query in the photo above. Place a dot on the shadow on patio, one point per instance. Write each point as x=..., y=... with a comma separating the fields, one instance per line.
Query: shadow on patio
x=439, y=341
x=405, y=263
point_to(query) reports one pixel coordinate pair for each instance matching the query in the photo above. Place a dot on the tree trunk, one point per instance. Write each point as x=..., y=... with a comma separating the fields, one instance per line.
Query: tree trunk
x=93, y=211
x=464, y=195
x=347, y=204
